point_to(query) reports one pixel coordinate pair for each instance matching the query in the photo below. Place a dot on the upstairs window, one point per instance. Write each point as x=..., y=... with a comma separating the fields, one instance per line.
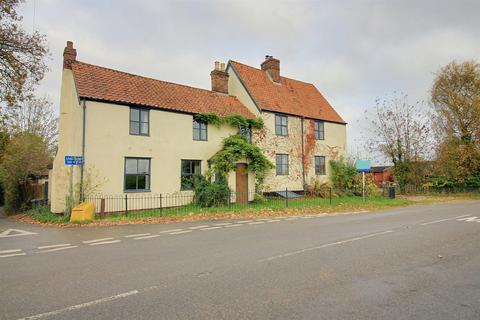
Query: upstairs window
x=319, y=130
x=139, y=121
x=281, y=125
x=247, y=133
x=281, y=164
x=190, y=169
x=199, y=130
x=137, y=174
x=319, y=165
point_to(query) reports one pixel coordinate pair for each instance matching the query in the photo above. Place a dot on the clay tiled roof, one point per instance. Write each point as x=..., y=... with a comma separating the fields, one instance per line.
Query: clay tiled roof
x=98, y=83
x=290, y=96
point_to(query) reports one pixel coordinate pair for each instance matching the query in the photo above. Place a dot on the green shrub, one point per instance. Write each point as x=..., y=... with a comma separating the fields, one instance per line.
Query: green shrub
x=343, y=174
x=43, y=214
x=211, y=194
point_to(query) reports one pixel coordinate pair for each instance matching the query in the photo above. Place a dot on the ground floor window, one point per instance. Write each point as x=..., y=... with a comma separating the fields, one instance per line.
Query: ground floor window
x=281, y=164
x=190, y=169
x=137, y=174
x=319, y=165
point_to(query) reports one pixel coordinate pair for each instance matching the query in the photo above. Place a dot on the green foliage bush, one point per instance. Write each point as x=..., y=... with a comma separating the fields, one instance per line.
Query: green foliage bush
x=235, y=120
x=343, y=174
x=211, y=194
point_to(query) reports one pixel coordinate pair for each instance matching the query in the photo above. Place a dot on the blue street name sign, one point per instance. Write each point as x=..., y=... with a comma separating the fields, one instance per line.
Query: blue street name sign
x=363, y=165
x=73, y=160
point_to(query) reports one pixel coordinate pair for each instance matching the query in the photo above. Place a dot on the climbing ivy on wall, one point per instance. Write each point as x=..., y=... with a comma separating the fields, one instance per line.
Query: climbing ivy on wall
x=234, y=120
x=236, y=147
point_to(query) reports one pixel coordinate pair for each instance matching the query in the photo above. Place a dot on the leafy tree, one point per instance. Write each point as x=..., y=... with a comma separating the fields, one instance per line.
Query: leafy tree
x=21, y=55
x=34, y=115
x=400, y=132
x=456, y=101
x=26, y=155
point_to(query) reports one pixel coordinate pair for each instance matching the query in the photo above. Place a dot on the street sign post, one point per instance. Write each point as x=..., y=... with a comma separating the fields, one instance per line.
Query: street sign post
x=72, y=161
x=363, y=166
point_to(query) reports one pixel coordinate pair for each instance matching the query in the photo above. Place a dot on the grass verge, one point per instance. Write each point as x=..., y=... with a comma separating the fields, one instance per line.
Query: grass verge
x=257, y=209
x=276, y=206
x=44, y=215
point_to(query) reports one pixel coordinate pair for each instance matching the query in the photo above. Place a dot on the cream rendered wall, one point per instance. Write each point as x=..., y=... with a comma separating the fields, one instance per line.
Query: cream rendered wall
x=69, y=142
x=108, y=142
x=235, y=88
x=332, y=148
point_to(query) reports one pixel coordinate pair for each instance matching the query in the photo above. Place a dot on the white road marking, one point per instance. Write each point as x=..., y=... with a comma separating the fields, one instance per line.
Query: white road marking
x=57, y=249
x=436, y=221
x=234, y=225
x=147, y=237
x=470, y=219
x=10, y=251
x=80, y=306
x=199, y=227
x=137, y=235
x=180, y=232
x=244, y=221
x=54, y=246
x=211, y=228
x=223, y=224
x=465, y=215
x=256, y=222
x=171, y=230
x=288, y=254
x=96, y=240
x=15, y=233
x=104, y=242
x=12, y=255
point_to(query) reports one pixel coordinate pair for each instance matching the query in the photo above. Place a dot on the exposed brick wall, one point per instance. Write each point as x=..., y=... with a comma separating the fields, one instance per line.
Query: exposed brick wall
x=219, y=81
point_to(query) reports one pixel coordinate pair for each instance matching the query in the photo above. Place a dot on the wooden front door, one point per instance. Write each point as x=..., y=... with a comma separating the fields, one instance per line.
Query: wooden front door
x=241, y=184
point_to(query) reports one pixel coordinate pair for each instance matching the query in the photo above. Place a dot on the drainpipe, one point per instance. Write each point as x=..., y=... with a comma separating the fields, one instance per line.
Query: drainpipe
x=303, y=160
x=84, y=106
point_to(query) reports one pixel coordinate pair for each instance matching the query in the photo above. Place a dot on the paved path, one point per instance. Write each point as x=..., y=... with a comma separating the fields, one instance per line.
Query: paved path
x=411, y=263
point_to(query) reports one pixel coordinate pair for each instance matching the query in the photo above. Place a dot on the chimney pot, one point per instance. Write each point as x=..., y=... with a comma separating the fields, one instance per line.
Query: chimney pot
x=272, y=67
x=69, y=55
x=222, y=66
x=217, y=65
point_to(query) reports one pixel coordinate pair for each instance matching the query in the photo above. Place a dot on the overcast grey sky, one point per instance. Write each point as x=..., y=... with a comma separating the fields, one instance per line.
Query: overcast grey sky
x=353, y=51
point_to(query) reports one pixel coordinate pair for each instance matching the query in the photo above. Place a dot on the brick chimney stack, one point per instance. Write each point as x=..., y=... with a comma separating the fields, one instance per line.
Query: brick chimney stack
x=69, y=55
x=219, y=78
x=272, y=67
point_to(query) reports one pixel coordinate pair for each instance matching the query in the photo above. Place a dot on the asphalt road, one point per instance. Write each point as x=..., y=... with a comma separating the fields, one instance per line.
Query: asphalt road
x=410, y=263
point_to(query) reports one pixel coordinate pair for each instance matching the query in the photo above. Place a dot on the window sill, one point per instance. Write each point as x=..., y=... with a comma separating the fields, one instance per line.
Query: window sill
x=140, y=135
x=137, y=191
